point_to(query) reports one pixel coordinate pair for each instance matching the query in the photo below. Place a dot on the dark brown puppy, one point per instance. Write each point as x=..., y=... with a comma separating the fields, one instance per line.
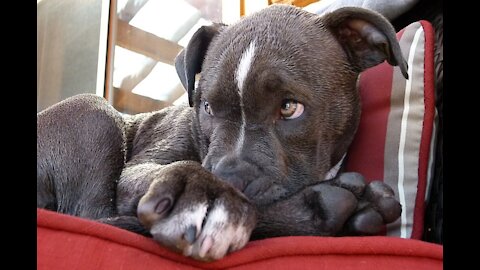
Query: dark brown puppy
x=273, y=115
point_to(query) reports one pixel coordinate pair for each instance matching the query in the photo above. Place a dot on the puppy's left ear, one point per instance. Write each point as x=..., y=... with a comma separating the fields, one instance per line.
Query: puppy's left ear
x=188, y=62
x=367, y=37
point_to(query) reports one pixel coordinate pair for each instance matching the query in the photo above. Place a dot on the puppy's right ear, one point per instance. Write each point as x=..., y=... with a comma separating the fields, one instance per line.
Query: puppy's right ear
x=188, y=62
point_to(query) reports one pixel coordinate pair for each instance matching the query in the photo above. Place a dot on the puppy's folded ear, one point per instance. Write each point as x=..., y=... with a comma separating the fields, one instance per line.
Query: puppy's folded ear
x=367, y=37
x=188, y=62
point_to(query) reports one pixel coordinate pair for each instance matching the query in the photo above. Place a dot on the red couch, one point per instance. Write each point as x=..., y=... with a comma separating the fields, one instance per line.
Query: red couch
x=67, y=242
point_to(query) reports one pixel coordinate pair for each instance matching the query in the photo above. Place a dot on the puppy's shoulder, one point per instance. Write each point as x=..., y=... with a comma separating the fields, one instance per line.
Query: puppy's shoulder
x=170, y=125
x=169, y=117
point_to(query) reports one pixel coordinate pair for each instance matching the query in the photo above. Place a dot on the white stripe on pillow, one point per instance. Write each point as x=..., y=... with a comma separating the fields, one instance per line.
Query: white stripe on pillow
x=404, y=129
x=403, y=134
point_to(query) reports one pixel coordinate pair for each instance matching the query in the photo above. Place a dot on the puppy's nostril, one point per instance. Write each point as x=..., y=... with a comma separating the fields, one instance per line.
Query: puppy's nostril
x=162, y=206
x=234, y=171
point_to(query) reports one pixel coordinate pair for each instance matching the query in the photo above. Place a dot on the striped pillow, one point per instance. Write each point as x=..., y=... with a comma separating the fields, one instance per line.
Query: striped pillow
x=396, y=136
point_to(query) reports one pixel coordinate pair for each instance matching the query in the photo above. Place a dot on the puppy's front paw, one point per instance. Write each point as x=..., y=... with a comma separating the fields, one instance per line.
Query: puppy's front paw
x=377, y=204
x=191, y=211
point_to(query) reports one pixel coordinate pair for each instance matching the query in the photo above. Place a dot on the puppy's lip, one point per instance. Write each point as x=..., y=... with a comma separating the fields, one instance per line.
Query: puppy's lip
x=231, y=178
x=237, y=183
x=251, y=192
x=162, y=206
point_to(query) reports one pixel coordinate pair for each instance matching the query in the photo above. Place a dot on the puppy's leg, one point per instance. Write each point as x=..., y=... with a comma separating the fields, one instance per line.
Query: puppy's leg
x=187, y=208
x=321, y=209
x=376, y=207
x=346, y=205
x=80, y=154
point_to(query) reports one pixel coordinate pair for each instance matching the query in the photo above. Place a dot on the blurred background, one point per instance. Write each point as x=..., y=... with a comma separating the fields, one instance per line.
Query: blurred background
x=123, y=50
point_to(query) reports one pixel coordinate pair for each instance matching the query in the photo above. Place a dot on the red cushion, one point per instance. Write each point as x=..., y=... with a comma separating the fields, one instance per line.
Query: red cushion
x=395, y=137
x=67, y=242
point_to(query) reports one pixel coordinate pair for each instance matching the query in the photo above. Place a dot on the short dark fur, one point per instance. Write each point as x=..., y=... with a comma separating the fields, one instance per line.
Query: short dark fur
x=95, y=163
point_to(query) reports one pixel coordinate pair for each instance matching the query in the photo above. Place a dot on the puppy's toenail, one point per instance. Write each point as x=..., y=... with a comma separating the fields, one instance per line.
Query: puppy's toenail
x=205, y=247
x=190, y=234
x=162, y=206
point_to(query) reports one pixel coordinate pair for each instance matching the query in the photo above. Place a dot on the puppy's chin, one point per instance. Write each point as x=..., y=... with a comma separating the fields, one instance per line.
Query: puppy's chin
x=262, y=185
x=260, y=190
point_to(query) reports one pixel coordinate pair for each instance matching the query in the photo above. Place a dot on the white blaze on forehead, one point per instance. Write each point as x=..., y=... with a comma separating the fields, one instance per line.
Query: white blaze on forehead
x=244, y=66
x=241, y=135
x=241, y=73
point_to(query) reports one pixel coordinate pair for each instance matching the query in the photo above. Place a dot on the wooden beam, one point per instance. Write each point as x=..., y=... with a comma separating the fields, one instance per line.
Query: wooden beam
x=298, y=3
x=128, y=102
x=137, y=40
x=130, y=9
x=242, y=8
x=112, y=35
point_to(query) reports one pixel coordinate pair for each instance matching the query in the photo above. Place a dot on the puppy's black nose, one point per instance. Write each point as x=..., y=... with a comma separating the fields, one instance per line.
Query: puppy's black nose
x=235, y=171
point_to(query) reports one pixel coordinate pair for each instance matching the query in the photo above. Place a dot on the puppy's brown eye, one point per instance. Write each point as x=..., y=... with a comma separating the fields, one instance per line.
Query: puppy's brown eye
x=207, y=108
x=291, y=109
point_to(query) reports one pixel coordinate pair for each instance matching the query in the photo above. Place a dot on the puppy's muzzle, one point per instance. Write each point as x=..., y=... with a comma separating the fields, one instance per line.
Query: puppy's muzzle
x=236, y=171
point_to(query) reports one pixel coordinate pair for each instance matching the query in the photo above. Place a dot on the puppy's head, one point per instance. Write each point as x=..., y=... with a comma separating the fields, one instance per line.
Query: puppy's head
x=276, y=103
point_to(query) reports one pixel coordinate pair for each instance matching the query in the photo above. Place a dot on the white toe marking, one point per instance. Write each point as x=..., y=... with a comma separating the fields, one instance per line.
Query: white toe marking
x=241, y=73
x=223, y=234
x=216, y=237
x=175, y=226
x=206, y=246
x=218, y=214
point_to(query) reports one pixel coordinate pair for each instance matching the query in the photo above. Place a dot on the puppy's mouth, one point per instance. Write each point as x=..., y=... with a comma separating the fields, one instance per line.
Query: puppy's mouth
x=257, y=185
